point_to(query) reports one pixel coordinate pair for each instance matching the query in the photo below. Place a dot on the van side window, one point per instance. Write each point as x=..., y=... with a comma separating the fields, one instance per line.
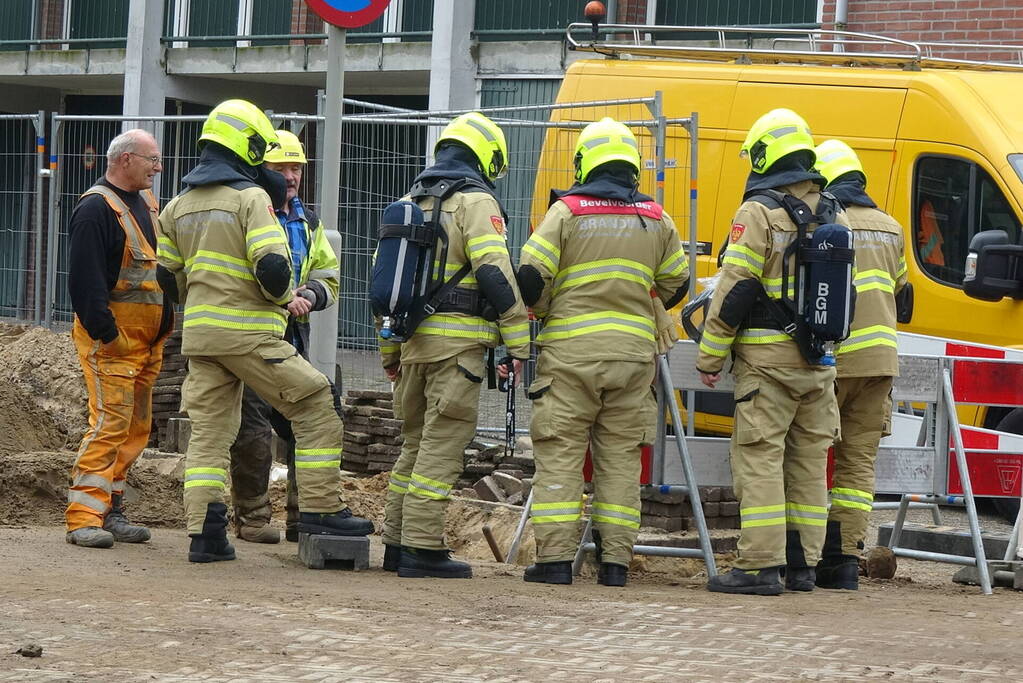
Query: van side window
x=954, y=199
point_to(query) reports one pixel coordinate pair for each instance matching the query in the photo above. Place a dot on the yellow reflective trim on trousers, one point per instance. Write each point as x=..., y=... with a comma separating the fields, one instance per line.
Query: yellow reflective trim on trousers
x=674, y=264
x=756, y=335
x=552, y=519
x=168, y=250
x=852, y=498
x=428, y=488
x=773, y=521
x=615, y=520
x=838, y=502
x=809, y=515
x=573, y=504
x=400, y=477
x=557, y=512
x=616, y=508
x=763, y=515
x=316, y=465
x=397, y=489
x=806, y=521
x=601, y=321
x=762, y=508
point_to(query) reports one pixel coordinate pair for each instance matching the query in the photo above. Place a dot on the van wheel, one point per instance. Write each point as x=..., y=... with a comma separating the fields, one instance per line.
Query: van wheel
x=1013, y=423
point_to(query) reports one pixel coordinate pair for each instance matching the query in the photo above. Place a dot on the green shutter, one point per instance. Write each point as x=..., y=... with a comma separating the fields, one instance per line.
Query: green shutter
x=736, y=12
x=99, y=19
x=536, y=19
x=213, y=18
x=523, y=147
x=270, y=18
x=15, y=22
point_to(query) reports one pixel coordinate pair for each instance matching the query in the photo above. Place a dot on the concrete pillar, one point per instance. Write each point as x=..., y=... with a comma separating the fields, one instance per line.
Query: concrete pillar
x=452, y=66
x=145, y=81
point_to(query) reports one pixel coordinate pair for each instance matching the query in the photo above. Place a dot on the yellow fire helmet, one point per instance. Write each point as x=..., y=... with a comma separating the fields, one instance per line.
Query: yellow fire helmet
x=243, y=128
x=484, y=138
x=603, y=141
x=290, y=150
x=835, y=158
x=775, y=134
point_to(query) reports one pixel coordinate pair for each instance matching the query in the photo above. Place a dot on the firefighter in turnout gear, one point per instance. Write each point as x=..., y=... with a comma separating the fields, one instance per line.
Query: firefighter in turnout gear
x=224, y=254
x=440, y=368
x=785, y=410
x=587, y=272
x=867, y=363
x=316, y=280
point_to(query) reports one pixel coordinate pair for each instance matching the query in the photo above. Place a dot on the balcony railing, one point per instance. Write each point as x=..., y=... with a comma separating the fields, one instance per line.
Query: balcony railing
x=78, y=24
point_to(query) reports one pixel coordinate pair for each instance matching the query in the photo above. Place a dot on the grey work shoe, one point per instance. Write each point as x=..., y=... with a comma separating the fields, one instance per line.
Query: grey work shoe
x=124, y=531
x=259, y=533
x=91, y=537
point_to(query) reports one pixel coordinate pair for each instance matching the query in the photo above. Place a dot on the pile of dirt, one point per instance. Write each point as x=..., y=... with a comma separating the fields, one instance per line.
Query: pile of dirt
x=44, y=387
x=26, y=427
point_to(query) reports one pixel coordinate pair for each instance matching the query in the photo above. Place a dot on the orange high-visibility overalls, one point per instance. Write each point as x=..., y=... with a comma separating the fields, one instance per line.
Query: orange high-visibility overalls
x=120, y=386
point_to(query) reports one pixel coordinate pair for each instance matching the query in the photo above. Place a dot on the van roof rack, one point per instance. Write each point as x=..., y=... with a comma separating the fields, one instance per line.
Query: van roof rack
x=770, y=45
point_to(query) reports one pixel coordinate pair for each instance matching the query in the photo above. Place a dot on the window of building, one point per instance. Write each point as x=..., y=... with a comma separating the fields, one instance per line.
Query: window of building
x=954, y=199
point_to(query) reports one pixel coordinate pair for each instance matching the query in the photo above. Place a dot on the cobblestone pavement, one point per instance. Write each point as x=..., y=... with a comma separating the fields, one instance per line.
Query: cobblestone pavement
x=139, y=613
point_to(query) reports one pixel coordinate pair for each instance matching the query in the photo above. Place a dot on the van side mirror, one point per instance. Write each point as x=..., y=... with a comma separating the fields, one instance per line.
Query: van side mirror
x=993, y=267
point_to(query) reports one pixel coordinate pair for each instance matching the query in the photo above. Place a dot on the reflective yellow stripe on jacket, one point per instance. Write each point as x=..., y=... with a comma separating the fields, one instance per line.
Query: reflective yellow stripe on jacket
x=220, y=263
x=234, y=319
x=466, y=327
x=875, y=335
x=605, y=269
x=601, y=321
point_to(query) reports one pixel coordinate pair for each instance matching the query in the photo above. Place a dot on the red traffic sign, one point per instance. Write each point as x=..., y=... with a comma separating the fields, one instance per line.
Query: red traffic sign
x=348, y=13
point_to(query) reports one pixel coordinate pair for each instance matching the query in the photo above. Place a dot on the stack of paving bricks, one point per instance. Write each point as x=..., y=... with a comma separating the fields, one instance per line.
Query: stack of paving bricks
x=483, y=460
x=167, y=391
x=372, y=433
x=672, y=512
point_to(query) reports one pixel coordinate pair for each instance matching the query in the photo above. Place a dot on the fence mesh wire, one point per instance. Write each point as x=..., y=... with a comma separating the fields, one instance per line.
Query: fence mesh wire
x=19, y=221
x=382, y=151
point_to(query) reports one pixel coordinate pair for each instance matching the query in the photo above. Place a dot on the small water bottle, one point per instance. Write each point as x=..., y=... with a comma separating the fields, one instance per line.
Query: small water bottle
x=828, y=359
x=385, y=329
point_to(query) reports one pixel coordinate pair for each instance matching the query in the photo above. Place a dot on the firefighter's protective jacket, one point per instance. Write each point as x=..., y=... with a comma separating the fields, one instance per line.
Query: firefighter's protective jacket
x=598, y=259
x=753, y=259
x=229, y=255
x=872, y=347
x=475, y=226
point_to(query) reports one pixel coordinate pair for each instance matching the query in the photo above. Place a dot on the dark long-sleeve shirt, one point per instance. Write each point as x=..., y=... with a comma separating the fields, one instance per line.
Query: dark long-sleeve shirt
x=96, y=249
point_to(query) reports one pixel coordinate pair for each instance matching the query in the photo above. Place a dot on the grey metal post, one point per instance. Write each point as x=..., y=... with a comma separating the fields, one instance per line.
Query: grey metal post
x=688, y=471
x=52, y=232
x=584, y=545
x=660, y=134
x=900, y=519
x=323, y=324
x=694, y=147
x=1014, y=546
x=513, y=550
x=964, y=475
x=40, y=127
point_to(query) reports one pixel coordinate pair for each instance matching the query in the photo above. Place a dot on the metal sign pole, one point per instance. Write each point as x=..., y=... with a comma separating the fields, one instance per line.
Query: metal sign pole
x=323, y=324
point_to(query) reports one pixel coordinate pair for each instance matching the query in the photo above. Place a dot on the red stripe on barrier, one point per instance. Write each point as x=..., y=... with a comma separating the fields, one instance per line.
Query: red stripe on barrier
x=990, y=475
x=983, y=383
x=973, y=351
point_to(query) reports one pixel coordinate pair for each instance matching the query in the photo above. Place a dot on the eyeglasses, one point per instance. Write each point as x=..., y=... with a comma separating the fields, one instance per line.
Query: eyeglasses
x=154, y=160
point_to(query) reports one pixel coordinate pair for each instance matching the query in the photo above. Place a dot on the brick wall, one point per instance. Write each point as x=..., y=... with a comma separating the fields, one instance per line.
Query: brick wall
x=631, y=11
x=972, y=21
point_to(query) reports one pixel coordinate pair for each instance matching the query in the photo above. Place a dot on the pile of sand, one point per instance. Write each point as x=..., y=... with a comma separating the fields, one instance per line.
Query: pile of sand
x=44, y=387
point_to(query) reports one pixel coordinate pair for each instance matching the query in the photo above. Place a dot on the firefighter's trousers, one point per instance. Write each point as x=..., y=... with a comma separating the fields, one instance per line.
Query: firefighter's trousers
x=785, y=421
x=212, y=396
x=439, y=403
x=864, y=404
x=120, y=415
x=252, y=459
x=610, y=406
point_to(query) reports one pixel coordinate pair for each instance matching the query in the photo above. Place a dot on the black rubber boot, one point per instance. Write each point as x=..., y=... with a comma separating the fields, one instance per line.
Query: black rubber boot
x=610, y=574
x=212, y=545
x=799, y=578
x=392, y=557
x=341, y=523
x=418, y=563
x=291, y=533
x=549, y=572
x=747, y=582
x=117, y=523
x=839, y=573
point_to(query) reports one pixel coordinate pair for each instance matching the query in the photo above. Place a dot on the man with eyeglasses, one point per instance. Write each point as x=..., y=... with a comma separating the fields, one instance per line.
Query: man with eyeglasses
x=121, y=320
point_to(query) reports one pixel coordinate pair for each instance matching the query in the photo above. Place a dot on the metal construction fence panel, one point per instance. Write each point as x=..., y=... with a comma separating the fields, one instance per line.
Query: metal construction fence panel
x=383, y=149
x=22, y=158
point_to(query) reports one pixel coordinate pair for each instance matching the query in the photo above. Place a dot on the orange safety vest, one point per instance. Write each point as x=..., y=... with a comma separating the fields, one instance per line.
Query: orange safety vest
x=929, y=240
x=137, y=299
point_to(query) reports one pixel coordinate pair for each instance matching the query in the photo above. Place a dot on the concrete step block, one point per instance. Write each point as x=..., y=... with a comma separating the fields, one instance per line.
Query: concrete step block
x=319, y=551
